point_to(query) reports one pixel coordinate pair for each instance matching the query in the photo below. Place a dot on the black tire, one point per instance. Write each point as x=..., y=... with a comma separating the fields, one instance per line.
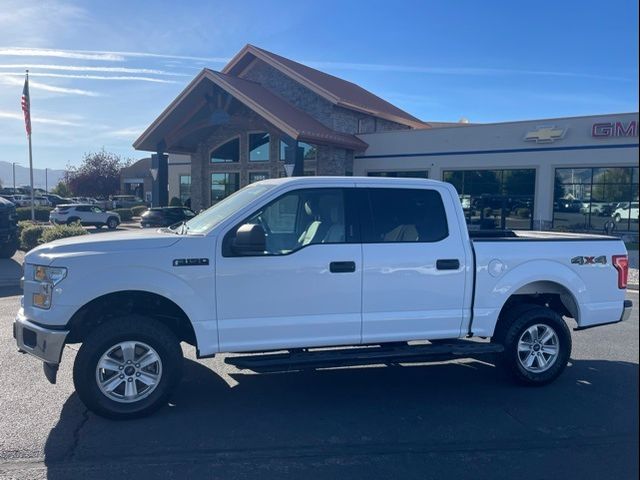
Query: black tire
x=112, y=223
x=72, y=220
x=513, y=328
x=102, y=340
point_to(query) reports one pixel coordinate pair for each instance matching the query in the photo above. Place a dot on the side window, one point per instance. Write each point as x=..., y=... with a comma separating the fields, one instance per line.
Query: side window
x=404, y=215
x=83, y=209
x=300, y=218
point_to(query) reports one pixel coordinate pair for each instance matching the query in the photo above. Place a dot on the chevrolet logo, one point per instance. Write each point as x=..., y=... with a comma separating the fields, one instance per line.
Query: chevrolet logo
x=545, y=134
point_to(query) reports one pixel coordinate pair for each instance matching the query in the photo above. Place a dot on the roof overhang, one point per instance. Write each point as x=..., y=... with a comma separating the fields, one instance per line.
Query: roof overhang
x=245, y=56
x=192, y=99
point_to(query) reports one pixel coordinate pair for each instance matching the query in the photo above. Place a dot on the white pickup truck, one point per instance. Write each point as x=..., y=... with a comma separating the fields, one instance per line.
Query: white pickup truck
x=285, y=268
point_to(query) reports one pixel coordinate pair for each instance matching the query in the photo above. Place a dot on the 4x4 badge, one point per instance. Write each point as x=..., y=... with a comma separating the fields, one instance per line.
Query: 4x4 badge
x=580, y=260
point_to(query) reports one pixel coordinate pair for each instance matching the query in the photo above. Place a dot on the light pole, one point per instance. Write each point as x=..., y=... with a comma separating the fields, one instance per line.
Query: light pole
x=13, y=164
x=46, y=180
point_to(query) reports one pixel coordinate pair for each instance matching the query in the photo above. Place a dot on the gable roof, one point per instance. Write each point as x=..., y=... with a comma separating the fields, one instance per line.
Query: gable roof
x=274, y=109
x=336, y=90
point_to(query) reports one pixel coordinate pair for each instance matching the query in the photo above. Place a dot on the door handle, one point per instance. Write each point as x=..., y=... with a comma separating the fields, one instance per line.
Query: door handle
x=342, y=267
x=448, y=264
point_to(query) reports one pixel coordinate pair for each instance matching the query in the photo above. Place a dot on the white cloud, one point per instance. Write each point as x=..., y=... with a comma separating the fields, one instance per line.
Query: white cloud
x=86, y=68
x=37, y=119
x=99, y=54
x=381, y=67
x=87, y=77
x=15, y=81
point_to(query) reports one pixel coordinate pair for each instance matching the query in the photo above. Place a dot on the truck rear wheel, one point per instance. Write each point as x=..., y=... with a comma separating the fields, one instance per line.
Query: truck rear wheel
x=127, y=368
x=537, y=345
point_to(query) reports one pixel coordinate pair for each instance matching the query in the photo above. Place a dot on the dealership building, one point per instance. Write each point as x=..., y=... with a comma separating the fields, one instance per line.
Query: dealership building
x=266, y=116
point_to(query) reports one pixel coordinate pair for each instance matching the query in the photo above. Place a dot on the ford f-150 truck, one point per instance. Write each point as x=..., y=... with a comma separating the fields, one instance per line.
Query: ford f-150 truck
x=313, y=273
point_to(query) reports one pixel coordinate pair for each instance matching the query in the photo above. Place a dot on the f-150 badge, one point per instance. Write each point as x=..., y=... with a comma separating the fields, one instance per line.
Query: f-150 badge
x=580, y=260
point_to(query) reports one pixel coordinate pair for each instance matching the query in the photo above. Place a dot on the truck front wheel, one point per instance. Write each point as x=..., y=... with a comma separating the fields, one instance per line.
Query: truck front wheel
x=537, y=346
x=127, y=367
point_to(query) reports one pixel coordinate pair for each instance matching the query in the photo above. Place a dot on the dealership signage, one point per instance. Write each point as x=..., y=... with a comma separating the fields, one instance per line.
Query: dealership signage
x=545, y=134
x=614, y=129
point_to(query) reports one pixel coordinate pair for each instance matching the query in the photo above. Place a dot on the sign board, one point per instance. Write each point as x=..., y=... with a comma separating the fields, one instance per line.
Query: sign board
x=614, y=129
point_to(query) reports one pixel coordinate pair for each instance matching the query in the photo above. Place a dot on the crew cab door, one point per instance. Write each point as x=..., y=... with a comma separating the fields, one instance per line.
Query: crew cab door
x=305, y=288
x=414, y=276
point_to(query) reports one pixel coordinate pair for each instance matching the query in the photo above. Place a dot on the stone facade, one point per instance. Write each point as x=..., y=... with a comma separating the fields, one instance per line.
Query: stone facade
x=329, y=160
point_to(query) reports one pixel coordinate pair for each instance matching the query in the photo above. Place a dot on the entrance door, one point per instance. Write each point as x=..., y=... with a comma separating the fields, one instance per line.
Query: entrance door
x=305, y=289
x=414, y=266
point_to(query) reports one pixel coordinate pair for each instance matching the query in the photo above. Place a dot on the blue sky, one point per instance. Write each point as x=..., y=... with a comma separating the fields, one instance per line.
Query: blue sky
x=102, y=71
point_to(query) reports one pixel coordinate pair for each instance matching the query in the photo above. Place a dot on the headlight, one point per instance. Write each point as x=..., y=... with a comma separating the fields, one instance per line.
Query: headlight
x=48, y=277
x=52, y=275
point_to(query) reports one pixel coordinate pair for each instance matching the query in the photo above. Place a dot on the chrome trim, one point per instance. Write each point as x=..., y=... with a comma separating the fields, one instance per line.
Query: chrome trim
x=49, y=343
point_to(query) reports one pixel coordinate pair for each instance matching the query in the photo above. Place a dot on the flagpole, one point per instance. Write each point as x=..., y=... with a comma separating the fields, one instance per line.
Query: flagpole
x=33, y=213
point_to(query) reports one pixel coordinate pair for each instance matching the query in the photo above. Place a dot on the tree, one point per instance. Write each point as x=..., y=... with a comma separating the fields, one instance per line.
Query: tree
x=62, y=189
x=97, y=176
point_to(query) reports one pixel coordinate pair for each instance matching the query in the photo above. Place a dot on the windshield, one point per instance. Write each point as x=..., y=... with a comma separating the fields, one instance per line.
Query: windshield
x=211, y=217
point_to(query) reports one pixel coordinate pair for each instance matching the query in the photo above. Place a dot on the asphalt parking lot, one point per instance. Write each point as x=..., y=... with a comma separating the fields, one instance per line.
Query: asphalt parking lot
x=454, y=420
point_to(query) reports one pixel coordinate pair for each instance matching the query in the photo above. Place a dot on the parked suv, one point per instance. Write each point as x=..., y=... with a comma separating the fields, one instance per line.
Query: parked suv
x=8, y=229
x=165, y=216
x=626, y=211
x=87, y=215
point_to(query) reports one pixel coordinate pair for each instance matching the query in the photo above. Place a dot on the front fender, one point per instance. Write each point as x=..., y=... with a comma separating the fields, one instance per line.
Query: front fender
x=492, y=293
x=195, y=296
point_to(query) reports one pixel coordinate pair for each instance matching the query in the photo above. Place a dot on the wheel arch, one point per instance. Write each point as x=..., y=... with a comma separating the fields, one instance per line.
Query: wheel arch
x=541, y=293
x=114, y=305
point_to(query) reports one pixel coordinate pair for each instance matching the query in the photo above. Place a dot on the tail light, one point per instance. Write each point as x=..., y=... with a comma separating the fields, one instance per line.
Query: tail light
x=621, y=262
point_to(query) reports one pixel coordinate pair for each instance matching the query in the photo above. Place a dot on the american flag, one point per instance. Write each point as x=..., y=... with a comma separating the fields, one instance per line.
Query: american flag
x=26, y=105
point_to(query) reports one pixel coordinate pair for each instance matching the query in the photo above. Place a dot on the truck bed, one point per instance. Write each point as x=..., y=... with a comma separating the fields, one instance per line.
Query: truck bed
x=534, y=236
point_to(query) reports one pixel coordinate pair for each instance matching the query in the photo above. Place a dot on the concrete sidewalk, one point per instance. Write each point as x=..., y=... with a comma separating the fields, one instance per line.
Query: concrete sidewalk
x=11, y=270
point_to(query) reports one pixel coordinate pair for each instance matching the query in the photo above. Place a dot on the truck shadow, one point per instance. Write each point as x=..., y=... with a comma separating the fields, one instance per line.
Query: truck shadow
x=350, y=412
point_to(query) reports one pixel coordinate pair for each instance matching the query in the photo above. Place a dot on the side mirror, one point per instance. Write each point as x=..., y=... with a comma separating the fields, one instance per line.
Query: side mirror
x=250, y=240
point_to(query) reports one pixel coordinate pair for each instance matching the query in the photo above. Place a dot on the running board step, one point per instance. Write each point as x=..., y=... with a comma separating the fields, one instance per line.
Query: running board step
x=346, y=357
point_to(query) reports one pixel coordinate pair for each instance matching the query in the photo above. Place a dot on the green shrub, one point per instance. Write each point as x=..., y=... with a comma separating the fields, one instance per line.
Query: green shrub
x=22, y=224
x=138, y=210
x=41, y=213
x=62, y=231
x=30, y=236
x=125, y=214
x=175, y=202
x=523, y=213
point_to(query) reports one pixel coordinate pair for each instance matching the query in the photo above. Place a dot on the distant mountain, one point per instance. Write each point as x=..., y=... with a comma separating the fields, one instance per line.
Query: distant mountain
x=22, y=176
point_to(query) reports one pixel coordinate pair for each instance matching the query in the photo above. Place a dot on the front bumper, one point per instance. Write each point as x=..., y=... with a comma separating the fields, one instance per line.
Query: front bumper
x=43, y=343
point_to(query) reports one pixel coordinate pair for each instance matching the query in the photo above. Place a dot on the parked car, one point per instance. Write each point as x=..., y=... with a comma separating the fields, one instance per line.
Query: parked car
x=565, y=205
x=625, y=211
x=55, y=200
x=8, y=228
x=25, y=201
x=361, y=265
x=126, y=201
x=165, y=216
x=87, y=215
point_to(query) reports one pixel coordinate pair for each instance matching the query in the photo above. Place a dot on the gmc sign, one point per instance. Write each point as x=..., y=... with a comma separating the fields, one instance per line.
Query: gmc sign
x=614, y=129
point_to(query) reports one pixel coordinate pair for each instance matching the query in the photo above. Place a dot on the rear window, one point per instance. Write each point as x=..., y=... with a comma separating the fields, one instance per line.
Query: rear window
x=404, y=215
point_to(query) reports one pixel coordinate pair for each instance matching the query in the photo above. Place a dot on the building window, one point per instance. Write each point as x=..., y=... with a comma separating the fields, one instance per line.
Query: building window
x=223, y=185
x=407, y=174
x=227, y=152
x=596, y=198
x=257, y=176
x=495, y=198
x=185, y=188
x=310, y=151
x=259, y=147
